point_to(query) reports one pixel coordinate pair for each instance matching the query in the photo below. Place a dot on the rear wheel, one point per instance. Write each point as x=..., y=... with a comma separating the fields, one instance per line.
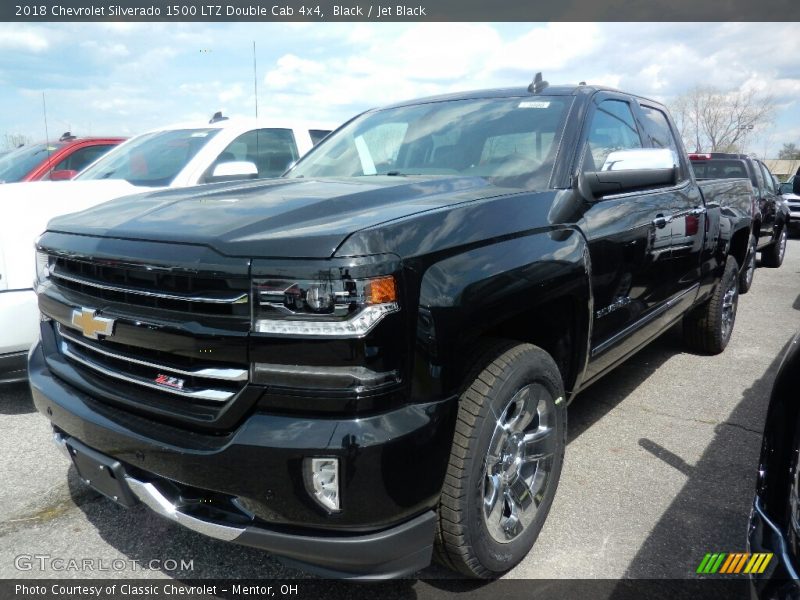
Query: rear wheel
x=749, y=270
x=505, y=461
x=772, y=256
x=708, y=327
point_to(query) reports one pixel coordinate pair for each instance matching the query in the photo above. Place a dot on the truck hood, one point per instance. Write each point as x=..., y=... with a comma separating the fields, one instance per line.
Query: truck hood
x=25, y=209
x=302, y=218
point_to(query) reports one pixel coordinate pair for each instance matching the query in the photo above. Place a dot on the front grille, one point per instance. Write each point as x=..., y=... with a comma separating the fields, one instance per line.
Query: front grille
x=176, y=342
x=210, y=384
x=153, y=287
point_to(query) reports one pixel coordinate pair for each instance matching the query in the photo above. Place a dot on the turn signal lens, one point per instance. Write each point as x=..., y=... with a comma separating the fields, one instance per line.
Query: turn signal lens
x=381, y=290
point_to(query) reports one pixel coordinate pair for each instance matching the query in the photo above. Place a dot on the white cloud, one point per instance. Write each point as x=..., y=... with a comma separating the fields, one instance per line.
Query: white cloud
x=17, y=39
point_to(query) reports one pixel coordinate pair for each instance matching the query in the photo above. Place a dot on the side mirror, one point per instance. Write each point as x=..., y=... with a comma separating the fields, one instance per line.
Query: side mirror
x=63, y=175
x=796, y=185
x=234, y=170
x=630, y=170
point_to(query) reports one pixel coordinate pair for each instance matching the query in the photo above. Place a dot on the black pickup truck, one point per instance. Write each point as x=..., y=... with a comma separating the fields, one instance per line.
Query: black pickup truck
x=770, y=212
x=371, y=359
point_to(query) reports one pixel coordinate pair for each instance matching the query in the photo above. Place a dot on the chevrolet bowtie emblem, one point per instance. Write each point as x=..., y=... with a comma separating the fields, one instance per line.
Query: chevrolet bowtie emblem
x=90, y=324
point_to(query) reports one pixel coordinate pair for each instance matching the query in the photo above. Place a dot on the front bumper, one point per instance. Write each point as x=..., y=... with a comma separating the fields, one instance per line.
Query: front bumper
x=780, y=578
x=392, y=469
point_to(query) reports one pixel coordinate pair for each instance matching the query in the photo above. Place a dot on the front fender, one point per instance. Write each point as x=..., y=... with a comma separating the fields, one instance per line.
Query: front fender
x=520, y=287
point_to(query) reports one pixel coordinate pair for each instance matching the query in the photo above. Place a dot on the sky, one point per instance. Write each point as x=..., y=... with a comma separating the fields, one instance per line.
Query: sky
x=126, y=78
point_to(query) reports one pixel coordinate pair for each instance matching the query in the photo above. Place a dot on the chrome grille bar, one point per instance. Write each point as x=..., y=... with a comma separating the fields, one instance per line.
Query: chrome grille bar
x=204, y=394
x=212, y=373
x=239, y=298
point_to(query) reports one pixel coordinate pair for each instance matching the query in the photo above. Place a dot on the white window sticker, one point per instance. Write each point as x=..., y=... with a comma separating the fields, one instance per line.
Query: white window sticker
x=531, y=104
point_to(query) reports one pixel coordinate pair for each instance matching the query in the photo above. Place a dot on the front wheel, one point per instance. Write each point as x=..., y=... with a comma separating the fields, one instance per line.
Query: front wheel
x=708, y=327
x=772, y=256
x=505, y=461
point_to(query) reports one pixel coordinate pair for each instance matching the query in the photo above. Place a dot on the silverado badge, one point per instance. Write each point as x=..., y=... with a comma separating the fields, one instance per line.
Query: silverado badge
x=90, y=324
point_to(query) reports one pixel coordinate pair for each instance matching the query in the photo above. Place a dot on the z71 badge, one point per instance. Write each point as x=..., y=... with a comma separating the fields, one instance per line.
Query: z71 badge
x=167, y=381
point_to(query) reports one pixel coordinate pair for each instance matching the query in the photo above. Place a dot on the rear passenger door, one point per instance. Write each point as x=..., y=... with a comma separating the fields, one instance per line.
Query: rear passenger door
x=682, y=204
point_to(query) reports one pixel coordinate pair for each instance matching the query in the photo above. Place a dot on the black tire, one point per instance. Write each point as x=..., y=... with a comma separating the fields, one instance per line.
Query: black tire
x=507, y=381
x=708, y=328
x=772, y=255
x=749, y=269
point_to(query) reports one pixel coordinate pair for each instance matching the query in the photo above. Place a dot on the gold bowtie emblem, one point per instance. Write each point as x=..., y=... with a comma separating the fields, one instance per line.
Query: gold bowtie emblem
x=90, y=324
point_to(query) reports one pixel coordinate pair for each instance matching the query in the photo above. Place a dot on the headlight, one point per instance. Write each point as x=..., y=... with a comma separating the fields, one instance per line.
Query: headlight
x=334, y=305
x=42, y=266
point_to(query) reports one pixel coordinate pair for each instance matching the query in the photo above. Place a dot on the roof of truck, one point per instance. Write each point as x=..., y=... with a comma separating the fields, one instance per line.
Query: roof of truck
x=511, y=92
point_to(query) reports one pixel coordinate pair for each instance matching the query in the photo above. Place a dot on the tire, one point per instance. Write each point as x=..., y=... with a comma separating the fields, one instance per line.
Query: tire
x=514, y=394
x=749, y=269
x=772, y=255
x=708, y=328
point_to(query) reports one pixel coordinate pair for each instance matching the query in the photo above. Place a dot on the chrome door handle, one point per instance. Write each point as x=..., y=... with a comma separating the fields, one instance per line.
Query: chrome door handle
x=661, y=221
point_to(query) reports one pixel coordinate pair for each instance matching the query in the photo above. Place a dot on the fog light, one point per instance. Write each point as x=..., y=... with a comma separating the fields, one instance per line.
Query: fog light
x=322, y=481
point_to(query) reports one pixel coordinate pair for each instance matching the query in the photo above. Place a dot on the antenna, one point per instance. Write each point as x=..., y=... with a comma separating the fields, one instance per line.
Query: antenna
x=255, y=77
x=46, y=133
x=538, y=84
x=255, y=93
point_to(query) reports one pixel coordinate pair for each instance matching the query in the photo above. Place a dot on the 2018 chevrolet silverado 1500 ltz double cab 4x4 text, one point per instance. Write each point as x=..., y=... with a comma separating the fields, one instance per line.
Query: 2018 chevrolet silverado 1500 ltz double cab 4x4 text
x=372, y=357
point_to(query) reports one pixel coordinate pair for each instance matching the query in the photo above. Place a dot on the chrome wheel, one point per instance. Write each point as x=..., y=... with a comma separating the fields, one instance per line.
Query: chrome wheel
x=729, y=303
x=519, y=462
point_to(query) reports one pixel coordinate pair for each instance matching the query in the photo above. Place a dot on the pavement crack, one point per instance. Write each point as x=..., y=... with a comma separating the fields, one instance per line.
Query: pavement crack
x=742, y=427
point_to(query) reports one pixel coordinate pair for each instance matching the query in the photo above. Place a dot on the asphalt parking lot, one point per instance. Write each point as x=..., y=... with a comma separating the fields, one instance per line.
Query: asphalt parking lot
x=660, y=469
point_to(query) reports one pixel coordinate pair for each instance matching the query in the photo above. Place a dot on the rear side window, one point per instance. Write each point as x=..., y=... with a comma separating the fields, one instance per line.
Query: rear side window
x=658, y=129
x=270, y=150
x=612, y=128
x=317, y=135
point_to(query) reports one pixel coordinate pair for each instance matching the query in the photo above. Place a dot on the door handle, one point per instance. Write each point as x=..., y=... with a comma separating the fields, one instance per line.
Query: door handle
x=661, y=221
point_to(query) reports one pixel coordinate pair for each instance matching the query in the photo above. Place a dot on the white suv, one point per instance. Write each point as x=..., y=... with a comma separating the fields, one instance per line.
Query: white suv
x=176, y=156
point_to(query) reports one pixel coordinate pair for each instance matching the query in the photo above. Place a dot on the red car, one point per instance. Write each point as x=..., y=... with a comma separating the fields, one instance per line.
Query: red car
x=55, y=161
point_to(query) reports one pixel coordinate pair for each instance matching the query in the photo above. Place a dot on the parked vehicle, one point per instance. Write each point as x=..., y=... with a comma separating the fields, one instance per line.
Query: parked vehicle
x=771, y=214
x=792, y=201
x=775, y=518
x=54, y=161
x=170, y=157
x=374, y=354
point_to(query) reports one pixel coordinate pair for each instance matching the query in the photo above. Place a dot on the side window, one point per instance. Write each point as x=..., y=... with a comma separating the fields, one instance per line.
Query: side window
x=317, y=135
x=660, y=133
x=759, y=175
x=769, y=183
x=612, y=128
x=82, y=158
x=270, y=150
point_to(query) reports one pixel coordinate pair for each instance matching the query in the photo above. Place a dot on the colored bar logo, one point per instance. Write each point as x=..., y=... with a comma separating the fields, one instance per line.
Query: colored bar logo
x=734, y=563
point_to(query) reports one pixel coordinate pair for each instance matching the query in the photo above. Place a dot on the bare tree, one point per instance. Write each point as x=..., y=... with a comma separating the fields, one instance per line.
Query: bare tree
x=789, y=152
x=711, y=120
x=14, y=140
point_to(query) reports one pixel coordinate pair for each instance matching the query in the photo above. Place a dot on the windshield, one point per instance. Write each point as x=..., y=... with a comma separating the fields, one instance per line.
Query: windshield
x=152, y=159
x=18, y=163
x=509, y=141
